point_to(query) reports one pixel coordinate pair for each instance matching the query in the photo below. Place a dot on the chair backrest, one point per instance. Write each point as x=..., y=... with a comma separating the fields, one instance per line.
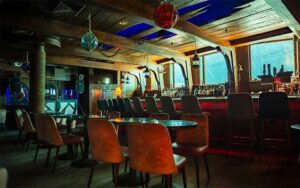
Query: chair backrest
x=110, y=105
x=273, y=105
x=167, y=105
x=137, y=105
x=240, y=106
x=52, y=133
x=104, y=141
x=116, y=105
x=99, y=105
x=151, y=105
x=19, y=119
x=2, y=115
x=159, y=116
x=27, y=124
x=198, y=135
x=121, y=106
x=190, y=104
x=149, y=148
x=128, y=107
x=105, y=105
x=114, y=114
x=39, y=122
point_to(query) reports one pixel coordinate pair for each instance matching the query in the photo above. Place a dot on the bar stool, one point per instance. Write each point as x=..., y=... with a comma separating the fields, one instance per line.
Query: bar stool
x=106, y=108
x=194, y=141
x=168, y=107
x=105, y=146
x=240, y=109
x=110, y=105
x=151, y=105
x=138, y=107
x=129, y=111
x=150, y=151
x=100, y=107
x=274, y=106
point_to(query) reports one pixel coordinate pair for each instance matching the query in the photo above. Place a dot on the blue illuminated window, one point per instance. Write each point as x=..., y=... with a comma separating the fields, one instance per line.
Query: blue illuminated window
x=274, y=53
x=215, y=69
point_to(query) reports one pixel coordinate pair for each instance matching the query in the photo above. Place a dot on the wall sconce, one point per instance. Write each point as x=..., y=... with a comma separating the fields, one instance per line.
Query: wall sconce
x=147, y=73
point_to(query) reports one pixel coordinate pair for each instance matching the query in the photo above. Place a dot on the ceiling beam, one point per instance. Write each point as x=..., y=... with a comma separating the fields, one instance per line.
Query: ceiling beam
x=142, y=12
x=52, y=27
x=283, y=12
x=260, y=36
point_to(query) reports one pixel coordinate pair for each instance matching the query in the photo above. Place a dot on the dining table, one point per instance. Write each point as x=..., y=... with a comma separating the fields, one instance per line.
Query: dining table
x=132, y=178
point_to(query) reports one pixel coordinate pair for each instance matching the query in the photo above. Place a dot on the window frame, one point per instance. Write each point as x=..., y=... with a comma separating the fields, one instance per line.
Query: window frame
x=265, y=42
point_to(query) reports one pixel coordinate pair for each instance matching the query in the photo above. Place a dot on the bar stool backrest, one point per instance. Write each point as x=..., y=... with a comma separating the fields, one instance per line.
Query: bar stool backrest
x=159, y=116
x=128, y=107
x=138, y=108
x=151, y=105
x=116, y=105
x=99, y=105
x=121, y=106
x=190, y=104
x=105, y=105
x=274, y=105
x=167, y=105
x=149, y=148
x=240, y=106
x=104, y=141
x=28, y=126
x=110, y=105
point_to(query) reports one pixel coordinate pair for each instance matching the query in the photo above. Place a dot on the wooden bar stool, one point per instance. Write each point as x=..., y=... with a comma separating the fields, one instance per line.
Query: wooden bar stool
x=167, y=106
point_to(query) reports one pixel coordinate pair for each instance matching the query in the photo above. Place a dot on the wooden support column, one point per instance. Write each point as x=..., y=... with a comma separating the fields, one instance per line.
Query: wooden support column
x=37, y=79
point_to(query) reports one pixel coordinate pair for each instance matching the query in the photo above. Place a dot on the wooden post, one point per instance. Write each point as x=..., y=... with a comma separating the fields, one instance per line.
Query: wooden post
x=37, y=79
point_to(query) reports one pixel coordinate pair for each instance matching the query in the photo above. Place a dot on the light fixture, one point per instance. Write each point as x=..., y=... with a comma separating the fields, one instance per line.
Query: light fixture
x=147, y=73
x=165, y=15
x=123, y=22
x=89, y=41
x=127, y=80
x=195, y=59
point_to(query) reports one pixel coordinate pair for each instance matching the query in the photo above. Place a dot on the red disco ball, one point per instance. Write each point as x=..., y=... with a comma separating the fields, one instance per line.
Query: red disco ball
x=165, y=15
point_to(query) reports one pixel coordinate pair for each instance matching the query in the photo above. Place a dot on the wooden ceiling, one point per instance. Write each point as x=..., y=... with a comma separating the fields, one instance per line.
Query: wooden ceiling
x=67, y=19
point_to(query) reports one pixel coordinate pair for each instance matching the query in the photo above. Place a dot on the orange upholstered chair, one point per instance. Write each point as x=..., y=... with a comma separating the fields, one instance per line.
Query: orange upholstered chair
x=28, y=127
x=105, y=146
x=159, y=116
x=193, y=141
x=55, y=139
x=150, y=151
x=41, y=132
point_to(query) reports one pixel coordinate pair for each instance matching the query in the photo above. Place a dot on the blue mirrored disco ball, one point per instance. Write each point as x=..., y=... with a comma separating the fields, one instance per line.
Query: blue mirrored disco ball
x=89, y=41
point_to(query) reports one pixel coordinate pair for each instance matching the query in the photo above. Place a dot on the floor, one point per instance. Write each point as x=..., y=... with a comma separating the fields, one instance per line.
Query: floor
x=226, y=171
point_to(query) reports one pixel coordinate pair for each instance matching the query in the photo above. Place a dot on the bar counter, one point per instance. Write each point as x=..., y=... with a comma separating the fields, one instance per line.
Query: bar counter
x=217, y=109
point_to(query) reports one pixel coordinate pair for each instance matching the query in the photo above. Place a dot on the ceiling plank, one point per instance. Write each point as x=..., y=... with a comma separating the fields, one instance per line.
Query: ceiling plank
x=144, y=13
x=69, y=30
x=282, y=11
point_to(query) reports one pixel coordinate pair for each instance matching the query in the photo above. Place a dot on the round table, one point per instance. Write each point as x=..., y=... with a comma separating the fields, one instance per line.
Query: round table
x=297, y=128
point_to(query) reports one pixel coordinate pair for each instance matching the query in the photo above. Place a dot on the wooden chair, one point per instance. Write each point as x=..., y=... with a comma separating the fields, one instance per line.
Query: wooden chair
x=193, y=141
x=28, y=128
x=151, y=105
x=150, y=151
x=55, y=139
x=105, y=146
x=138, y=107
x=167, y=106
x=41, y=132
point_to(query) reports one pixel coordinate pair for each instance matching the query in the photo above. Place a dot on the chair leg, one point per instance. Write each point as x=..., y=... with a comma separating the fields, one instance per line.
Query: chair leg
x=168, y=181
x=20, y=134
x=29, y=140
x=229, y=137
x=48, y=156
x=126, y=164
x=147, y=180
x=36, y=151
x=183, y=177
x=261, y=139
x=113, y=171
x=288, y=139
x=81, y=149
x=197, y=171
x=206, y=166
x=116, y=172
x=55, y=159
x=91, y=173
